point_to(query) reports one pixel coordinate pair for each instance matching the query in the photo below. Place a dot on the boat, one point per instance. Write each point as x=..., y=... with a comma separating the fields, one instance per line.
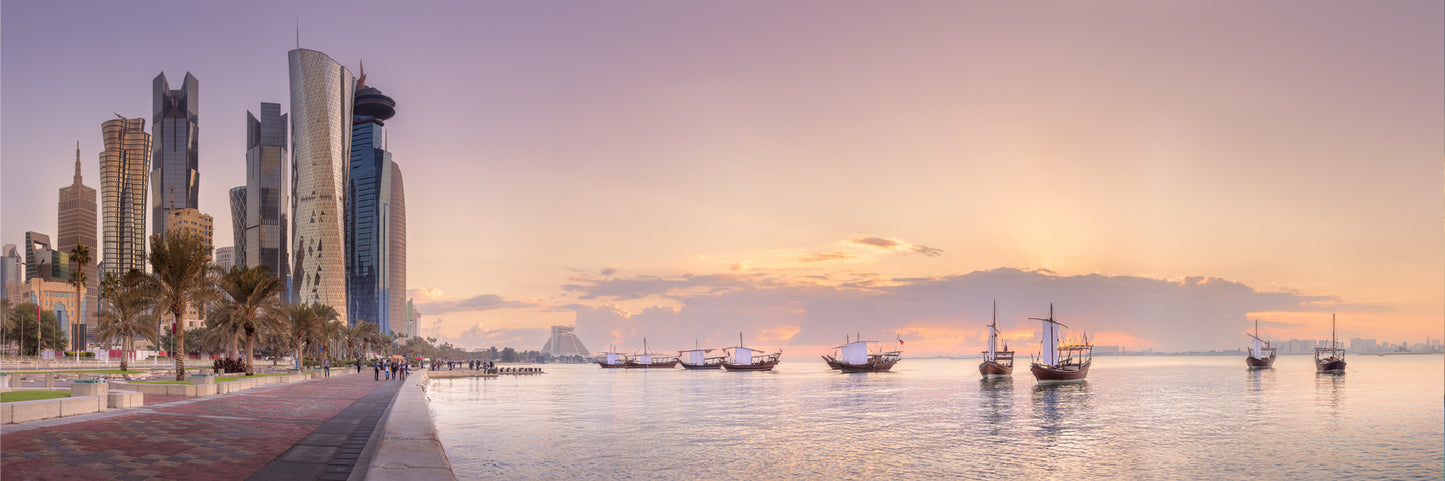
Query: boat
x=697, y=358
x=742, y=358
x=854, y=357
x=611, y=360
x=996, y=363
x=648, y=360
x=1330, y=359
x=1061, y=362
x=1256, y=358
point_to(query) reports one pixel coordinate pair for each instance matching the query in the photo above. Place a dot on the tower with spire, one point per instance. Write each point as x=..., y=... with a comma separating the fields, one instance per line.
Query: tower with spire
x=77, y=224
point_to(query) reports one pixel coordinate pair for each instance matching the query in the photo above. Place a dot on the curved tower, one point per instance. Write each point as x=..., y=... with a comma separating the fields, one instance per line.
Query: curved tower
x=396, y=253
x=124, y=165
x=369, y=210
x=321, y=102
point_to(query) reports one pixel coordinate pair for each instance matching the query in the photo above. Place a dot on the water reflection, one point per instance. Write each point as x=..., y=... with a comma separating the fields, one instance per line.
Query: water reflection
x=998, y=402
x=1329, y=389
x=1061, y=409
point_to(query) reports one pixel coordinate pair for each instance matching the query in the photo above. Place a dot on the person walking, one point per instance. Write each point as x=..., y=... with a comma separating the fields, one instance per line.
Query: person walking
x=326, y=367
x=376, y=371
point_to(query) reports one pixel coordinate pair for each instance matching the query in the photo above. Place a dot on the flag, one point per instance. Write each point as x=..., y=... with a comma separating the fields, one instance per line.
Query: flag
x=900, y=339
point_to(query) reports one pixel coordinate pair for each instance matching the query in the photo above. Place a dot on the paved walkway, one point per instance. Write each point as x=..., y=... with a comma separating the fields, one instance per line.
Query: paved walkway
x=306, y=430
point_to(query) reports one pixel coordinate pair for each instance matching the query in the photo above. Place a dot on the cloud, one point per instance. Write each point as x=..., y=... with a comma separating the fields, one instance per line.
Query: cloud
x=768, y=308
x=895, y=245
x=607, y=271
x=483, y=302
x=827, y=256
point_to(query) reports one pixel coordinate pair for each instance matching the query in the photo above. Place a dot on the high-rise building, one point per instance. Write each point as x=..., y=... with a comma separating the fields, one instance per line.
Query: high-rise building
x=321, y=103
x=369, y=210
x=175, y=179
x=43, y=261
x=193, y=222
x=124, y=166
x=77, y=212
x=238, y=224
x=396, y=247
x=265, y=217
x=10, y=261
x=226, y=257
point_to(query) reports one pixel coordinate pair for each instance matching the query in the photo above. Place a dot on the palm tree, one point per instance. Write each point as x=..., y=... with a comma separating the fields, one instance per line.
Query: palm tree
x=303, y=326
x=252, y=304
x=182, y=275
x=131, y=313
x=7, y=322
x=327, y=327
x=80, y=255
x=359, y=334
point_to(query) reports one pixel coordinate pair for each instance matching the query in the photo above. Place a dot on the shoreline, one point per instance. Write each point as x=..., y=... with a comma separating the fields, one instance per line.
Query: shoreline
x=406, y=445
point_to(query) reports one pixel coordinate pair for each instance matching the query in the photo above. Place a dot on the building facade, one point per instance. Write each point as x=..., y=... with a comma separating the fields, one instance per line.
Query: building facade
x=78, y=223
x=396, y=248
x=564, y=342
x=124, y=169
x=265, y=217
x=238, y=225
x=175, y=179
x=226, y=257
x=192, y=221
x=10, y=273
x=321, y=102
x=368, y=211
x=58, y=297
x=43, y=261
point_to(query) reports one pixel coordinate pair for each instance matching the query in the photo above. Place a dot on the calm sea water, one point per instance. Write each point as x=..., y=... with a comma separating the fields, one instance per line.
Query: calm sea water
x=1135, y=418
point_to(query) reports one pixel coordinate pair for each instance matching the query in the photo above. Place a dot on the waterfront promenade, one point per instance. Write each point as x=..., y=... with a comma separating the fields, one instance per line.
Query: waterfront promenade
x=317, y=429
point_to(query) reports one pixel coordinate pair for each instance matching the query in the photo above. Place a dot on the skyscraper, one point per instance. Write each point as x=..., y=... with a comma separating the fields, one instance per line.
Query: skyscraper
x=78, y=227
x=265, y=242
x=226, y=257
x=321, y=102
x=194, y=222
x=124, y=166
x=9, y=271
x=368, y=211
x=396, y=247
x=238, y=225
x=175, y=179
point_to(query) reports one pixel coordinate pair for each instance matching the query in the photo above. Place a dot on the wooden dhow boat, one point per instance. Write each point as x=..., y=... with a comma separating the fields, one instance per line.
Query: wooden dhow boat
x=854, y=357
x=697, y=358
x=742, y=358
x=996, y=363
x=648, y=360
x=1330, y=359
x=1261, y=355
x=1061, y=362
x=611, y=360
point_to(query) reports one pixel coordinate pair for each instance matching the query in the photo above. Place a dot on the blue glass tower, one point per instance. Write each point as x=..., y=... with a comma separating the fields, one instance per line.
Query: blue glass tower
x=368, y=210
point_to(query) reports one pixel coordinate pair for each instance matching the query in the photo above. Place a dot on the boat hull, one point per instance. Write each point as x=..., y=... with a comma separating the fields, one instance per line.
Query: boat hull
x=994, y=369
x=605, y=365
x=1335, y=365
x=761, y=366
x=1259, y=363
x=1072, y=373
x=656, y=365
x=832, y=363
x=702, y=366
x=871, y=366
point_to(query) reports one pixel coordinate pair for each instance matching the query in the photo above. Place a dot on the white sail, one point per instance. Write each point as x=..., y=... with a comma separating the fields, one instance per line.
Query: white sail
x=696, y=357
x=742, y=355
x=612, y=358
x=644, y=359
x=1258, y=351
x=855, y=353
x=992, y=342
x=1050, y=354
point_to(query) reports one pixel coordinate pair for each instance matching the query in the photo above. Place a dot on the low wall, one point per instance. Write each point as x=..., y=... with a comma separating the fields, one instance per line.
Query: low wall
x=408, y=447
x=26, y=411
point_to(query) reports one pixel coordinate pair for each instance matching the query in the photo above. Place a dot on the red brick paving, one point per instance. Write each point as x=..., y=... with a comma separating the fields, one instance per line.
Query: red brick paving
x=175, y=442
x=150, y=399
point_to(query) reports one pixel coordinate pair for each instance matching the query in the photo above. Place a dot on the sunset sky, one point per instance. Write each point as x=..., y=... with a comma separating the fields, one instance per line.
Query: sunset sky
x=1162, y=172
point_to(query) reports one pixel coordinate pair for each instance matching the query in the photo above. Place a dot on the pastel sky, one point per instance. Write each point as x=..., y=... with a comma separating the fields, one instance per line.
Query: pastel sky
x=1162, y=172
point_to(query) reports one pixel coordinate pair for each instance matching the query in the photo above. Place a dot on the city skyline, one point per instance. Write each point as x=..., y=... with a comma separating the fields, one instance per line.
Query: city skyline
x=641, y=171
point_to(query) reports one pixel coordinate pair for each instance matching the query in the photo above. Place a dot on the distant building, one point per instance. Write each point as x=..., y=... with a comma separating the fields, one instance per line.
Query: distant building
x=238, y=224
x=369, y=210
x=58, y=297
x=77, y=222
x=194, y=222
x=176, y=178
x=564, y=343
x=322, y=96
x=265, y=199
x=226, y=257
x=124, y=167
x=43, y=261
x=396, y=246
x=10, y=274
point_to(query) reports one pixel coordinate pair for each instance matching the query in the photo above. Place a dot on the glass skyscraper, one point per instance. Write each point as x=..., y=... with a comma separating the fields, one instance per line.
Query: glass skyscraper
x=265, y=199
x=322, y=95
x=175, y=179
x=396, y=252
x=124, y=166
x=238, y=226
x=368, y=211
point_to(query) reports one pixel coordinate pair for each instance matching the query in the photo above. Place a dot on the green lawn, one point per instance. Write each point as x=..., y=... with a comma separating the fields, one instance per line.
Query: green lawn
x=238, y=378
x=13, y=396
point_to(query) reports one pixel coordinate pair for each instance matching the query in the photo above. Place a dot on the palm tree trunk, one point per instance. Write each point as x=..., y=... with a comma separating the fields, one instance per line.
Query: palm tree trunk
x=180, y=346
x=250, y=353
x=124, y=355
